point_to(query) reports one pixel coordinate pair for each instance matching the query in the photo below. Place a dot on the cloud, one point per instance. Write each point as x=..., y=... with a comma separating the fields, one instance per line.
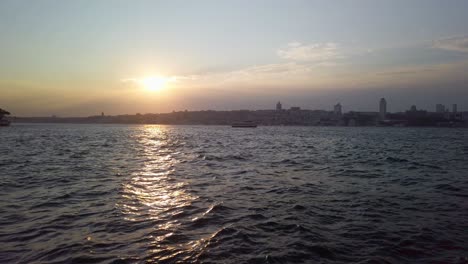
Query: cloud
x=277, y=68
x=459, y=43
x=304, y=63
x=138, y=80
x=406, y=72
x=263, y=72
x=268, y=71
x=130, y=80
x=152, y=79
x=316, y=53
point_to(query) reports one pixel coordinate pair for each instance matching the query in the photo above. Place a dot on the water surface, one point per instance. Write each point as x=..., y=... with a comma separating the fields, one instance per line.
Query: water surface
x=214, y=194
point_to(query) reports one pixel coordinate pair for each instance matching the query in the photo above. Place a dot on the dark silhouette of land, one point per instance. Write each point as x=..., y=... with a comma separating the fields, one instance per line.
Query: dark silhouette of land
x=295, y=116
x=4, y=122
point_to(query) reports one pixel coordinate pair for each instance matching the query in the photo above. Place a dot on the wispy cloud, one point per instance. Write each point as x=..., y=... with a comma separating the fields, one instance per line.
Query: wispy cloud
x=130, y=80
x=156, y=78
x=268, y=71
x=314, y=53
x=406, y=72
x=303, y=64
x=459, y=43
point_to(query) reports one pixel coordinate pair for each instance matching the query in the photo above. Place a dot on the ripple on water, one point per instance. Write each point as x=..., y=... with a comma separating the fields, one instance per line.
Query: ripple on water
x=195, y=194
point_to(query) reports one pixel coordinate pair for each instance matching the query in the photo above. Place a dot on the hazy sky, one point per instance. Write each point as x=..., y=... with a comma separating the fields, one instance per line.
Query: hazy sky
x=78, y=58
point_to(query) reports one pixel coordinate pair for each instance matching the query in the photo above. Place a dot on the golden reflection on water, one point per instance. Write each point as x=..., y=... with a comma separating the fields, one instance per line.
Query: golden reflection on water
x=151, y=194
x=154, y=195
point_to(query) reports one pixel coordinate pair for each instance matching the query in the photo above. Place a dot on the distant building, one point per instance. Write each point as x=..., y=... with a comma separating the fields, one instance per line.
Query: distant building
x=454, y=108
x=383, y=109
x=440, y=108
x=337, y=109
x=102, y=114
x=464, y=116
x=295, y=108
x=414, y=113
x=279, y=107
x=360, y=118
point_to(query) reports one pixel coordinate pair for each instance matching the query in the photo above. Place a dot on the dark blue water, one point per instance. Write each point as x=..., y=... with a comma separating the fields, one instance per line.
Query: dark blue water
x=213, y=194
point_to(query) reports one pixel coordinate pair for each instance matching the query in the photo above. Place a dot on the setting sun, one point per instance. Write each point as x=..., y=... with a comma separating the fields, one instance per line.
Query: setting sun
x=154, y=83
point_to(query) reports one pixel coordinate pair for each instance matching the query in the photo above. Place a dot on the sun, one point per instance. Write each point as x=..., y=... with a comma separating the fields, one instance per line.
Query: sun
x=154, y=83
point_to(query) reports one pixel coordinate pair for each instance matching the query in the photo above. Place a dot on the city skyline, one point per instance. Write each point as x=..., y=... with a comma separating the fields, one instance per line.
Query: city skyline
x=158, y=56
x=380, y=107
x=279, y=116
x=336, y=109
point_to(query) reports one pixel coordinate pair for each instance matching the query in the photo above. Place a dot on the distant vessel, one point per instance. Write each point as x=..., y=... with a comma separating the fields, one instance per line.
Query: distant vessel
x=4, y=122
x=244, y=124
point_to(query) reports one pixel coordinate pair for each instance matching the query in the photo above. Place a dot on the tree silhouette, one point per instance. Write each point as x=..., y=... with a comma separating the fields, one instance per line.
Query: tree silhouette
x=4, y=112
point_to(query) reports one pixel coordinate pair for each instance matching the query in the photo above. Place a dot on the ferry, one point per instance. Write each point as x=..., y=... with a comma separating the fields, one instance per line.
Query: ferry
x=245, y=124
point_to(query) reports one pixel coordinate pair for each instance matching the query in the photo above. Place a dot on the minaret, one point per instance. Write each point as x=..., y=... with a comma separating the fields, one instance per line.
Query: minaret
x=383, y=109
x=279, y=107
x=337, y=109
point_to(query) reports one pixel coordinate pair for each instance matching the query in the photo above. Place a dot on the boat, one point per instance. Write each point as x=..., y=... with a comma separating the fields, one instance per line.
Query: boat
x=245, y=124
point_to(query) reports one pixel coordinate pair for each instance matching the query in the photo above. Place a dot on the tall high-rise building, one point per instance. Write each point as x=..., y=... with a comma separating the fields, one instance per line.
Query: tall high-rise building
x=454, y=108
x=337, y=109
x=279, y=107
x=383, y=109
x=440, y=108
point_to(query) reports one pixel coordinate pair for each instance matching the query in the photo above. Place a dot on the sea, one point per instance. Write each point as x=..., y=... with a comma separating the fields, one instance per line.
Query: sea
x=76, y=193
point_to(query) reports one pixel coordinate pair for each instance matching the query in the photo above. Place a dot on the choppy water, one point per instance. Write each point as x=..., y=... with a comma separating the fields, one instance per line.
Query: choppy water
x=194, y=194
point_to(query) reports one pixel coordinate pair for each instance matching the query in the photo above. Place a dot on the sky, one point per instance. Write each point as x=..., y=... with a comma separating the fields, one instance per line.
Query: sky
x=81, y=58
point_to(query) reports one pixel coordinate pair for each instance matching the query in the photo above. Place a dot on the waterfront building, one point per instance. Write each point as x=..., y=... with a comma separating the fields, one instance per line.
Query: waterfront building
x=414, y=113
x=383, y=109
x=440, y=108
x=454, y=108
x=337, y=109
x=279, y=107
